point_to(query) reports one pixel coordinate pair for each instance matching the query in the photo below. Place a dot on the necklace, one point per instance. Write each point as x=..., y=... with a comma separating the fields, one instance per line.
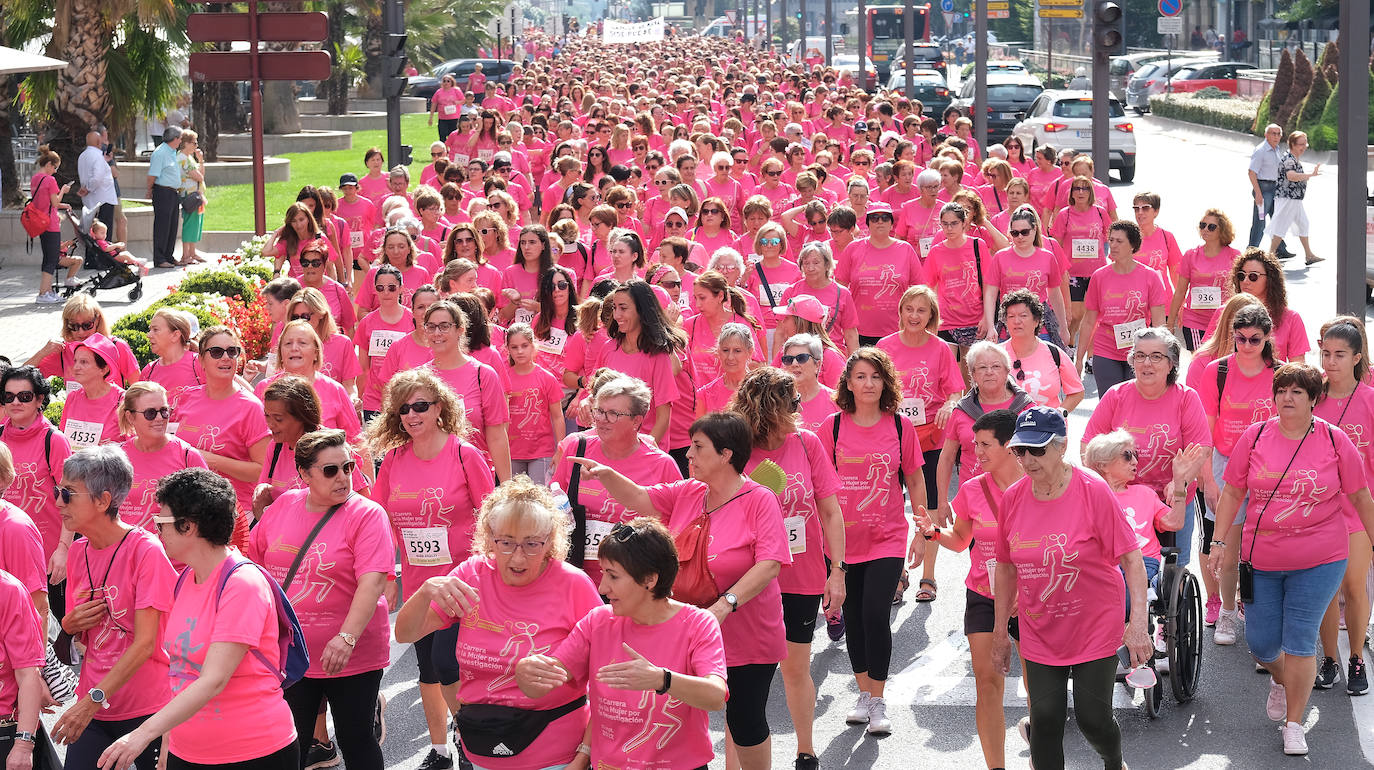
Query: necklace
x=1058, y=486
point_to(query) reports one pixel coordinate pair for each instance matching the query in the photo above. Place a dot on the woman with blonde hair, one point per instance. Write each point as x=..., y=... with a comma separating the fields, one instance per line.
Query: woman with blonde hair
x=398, y=250
x=495, y=239
x=82, y=316
x=171, y=337
x=300, y=353
x=144, y=416
x=340, y=361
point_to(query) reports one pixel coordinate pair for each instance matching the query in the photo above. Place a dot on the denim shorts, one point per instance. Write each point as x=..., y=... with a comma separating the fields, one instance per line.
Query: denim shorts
x=1219, y=461
x=1288, y=609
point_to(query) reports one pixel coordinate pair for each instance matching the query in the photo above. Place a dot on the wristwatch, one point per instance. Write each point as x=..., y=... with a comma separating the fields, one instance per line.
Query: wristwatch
x=844, y=567
x=1221, y=543
x=731, y=600
x=24, y=735
x=98, y=697
x=349, y=639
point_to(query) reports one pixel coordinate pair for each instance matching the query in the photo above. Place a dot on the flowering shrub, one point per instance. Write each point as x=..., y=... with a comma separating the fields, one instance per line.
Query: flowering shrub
x=253, y=324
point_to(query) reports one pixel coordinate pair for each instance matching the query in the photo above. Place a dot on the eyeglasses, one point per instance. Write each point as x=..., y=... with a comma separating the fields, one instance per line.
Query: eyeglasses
x=1145, y=207
x=530, y=547
x=65, y=494
x=1021, y=233
x=609, y=416
x=1210, y=227
x=704, y=212
x=1080, y=188
x=162, y=521
x=1242, y=339
x=418, y=407
x=216, y=352
x=332, y=470
x=465, y=240
x=152, y=414
x=987, y=368
x=302, y=317
x=444, y=327
x=387, y=288
x=1033, y=451
x=23, y=397
x=770, y=241
x=561, y=285
x=1154, y=358
x=948, y=225
x=800, y=358
x=1251, y=277
x=312, y=262
x=76, y=326
x=1130, y=455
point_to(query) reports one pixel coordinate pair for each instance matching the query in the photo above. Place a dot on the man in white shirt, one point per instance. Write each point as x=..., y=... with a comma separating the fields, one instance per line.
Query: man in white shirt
x=97, y=182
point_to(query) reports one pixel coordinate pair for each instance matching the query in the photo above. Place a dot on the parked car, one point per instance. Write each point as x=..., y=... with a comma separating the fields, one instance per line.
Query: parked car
x=1151, y=79
x=1010, y=94
x=1123, y=68
x=924, y=56
x=1196, y=77
x=495, y=70
x=928, y=86
x=1064, y=119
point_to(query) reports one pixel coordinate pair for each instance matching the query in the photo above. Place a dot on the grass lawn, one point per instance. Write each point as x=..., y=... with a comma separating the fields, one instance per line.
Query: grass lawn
x=231, y=207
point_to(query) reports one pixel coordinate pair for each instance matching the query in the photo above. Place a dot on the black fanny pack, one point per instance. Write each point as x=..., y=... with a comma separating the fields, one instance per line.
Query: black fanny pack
x=490, y=730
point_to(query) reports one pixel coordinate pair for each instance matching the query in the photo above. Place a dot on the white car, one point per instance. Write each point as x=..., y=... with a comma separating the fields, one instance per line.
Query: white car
x=1063, y=119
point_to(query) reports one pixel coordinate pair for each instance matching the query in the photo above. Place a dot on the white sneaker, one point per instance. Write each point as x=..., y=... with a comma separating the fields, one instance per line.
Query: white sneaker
x=1023, y=728
x=1225, y=632
x=878, y=723
x=1294, y=741
x=1276, y=705
x=859, y=714
x=72, y=282
x=1160, y=644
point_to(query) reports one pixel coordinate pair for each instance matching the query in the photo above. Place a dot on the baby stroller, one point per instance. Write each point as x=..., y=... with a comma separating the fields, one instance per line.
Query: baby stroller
x=110, y=274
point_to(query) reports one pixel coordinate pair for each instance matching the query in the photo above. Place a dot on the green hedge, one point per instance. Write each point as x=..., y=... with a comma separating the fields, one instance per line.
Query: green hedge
x=226, y=283
x=1231, y=114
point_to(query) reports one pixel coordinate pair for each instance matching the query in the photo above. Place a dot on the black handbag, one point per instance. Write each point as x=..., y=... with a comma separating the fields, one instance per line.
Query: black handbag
x=191, y=202
x=490, y=730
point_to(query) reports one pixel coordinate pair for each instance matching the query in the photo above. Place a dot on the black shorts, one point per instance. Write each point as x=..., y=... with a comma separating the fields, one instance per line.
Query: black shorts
x=1209, y=529
x=424, y=659
x=799, y=616
x=1078, y=288
x=963, y=336
x=980, y=614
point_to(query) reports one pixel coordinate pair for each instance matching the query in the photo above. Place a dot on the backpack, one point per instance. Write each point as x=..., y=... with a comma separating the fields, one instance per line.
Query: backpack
x=47, y=447
x=835, y=443
x=34, y=220
x=293, y=654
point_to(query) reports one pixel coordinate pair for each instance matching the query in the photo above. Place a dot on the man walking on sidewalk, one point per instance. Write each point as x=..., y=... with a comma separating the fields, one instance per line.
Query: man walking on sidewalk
x=1264, y=174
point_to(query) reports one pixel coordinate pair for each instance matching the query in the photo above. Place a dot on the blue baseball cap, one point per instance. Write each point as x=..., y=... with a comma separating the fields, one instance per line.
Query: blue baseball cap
x=1037, y=426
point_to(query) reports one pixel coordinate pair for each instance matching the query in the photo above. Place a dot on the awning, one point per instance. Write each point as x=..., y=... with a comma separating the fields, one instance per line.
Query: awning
x=13, y=61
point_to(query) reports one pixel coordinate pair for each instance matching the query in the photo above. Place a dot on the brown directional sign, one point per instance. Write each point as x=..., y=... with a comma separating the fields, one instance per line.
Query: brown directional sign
x=273, y=65
x=272, y=27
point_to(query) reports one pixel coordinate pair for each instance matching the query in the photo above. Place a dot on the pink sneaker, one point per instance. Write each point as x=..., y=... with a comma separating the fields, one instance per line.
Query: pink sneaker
x=1213, y=610
x=1276, y=705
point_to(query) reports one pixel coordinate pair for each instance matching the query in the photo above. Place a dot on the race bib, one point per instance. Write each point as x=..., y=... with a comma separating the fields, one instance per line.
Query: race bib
x=172, y=428
x=991, y=565
x=523, y=316
x=461, y=160
x=913, y=409
x=597, y=531
x=1085, y=248
x=1125, y=333
x=1204, y=297
x=486, y=155
x=426, y=546
x=558, y=339
x=450, y=110
x=381, y=341
x=796, y=534
x=926, y=243
x=355, y=239
x=83, y=433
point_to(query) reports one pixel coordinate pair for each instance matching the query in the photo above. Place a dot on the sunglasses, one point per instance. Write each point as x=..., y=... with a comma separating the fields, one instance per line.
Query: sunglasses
x=1033, y=451
x=770, y=241
x=704, y=212
x=625, y=205
x=217, y=352
x=561, y=285
x=312, y=262
x=23, y=397
x=388, y=288
x=772, y=173
x=152, y=414
x=800, y=358
x=302, y=317
x=162, y=521
x=1130, y=455
x=332, y=470
x=1021, y=233
x=662, y=182
x=1251, y=277
x=436, y=155
x=1145, y=207
x=464, y=240
x=1020, y=375
x=1242, y=339
x=418, y=407
x=74, y=326
x=670, y=284
x=486, y=230
x=1077, y=188
x=1210, y=227
x=1066, y=163
x=622, y=532
x=65, y=494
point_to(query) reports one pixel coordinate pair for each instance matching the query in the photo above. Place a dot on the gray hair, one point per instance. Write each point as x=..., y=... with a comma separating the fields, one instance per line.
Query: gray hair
x=928, y=177
x=811, y=342
x=735, y=329
x=410, y=223
x=171, y=134
x=103, y=468
x=399, y=170
x=982, y=349
x=632, y=388
x=1106, y=447
x=998, y=150
x=725, y=253
x=823, y=249
x=1172, y=346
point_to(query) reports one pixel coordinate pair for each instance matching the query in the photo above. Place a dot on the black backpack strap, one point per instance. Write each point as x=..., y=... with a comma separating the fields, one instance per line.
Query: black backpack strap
x=767, y=290
x=978, y=265
x=309, y=541
x=272, y=466
x=835, y=441
x=577, y=548
x=47, y=449
x=1223, y=366
x=897, y=420
x=1054, y=353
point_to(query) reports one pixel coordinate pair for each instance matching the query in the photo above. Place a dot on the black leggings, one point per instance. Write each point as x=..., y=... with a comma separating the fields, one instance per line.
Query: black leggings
x=353, y=700
x=1048, y=688
x=99, y=734
x=930, y=463
x=869, y=587
x=286, y=758
x=443, y=654
x=746, y=711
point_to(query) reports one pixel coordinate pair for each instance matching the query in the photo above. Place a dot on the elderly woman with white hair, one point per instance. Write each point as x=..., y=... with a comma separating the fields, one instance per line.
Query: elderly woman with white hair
x=735, y=347
x=817, y=265
x=530, y=599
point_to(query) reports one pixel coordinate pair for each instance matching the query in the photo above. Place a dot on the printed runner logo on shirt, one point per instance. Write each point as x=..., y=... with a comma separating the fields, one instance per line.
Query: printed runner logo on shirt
x=1060, y=564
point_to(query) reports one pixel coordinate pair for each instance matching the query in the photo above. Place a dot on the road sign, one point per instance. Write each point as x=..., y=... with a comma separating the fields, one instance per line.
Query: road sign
x=949, y=19
x=272, y=65
x=1169, y=25
x=1077, y=3
x=1170, y=8
x=1006, y=14
x=947, y=6
x=1061, y=13
x=999, y=5
x=272, y=28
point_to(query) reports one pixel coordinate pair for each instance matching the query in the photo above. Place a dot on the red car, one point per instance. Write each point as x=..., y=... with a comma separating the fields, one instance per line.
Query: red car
x=1196, y=77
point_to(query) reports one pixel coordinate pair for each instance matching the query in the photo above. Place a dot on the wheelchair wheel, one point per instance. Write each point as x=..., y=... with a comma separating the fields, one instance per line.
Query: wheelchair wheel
x=1185, y=638
x=136, y=292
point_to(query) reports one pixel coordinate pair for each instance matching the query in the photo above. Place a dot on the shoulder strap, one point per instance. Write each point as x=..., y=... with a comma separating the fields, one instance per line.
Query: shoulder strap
x=835, y=440
x=901, y=473
x=305, y=546
x=767, y=289
x=577, y=551
x=1054, y=353
x=575, y=482
x=987, y=494
x=978, y=265
x=1223, y=367
x=272, y=467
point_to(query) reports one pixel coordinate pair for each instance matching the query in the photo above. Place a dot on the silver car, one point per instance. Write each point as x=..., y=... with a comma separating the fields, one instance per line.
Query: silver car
x=1152, y=79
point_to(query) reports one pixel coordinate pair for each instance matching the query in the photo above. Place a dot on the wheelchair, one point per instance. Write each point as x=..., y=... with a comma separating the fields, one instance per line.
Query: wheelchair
x=1177, y=609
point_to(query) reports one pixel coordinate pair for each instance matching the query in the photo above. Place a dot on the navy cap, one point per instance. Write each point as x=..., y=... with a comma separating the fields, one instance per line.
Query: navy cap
x=348, y=179
x=1037, y=426
x=861, y=126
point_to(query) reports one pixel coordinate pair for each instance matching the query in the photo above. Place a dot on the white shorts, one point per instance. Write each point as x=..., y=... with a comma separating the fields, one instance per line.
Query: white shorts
x=1288, y=215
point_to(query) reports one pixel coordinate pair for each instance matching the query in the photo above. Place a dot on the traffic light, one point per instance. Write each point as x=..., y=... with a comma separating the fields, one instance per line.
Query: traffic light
x=1109, y=29
x=394, y=79
x=407, y=156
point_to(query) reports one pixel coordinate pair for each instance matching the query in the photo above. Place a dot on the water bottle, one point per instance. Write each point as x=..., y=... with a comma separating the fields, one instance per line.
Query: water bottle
x=561, y=503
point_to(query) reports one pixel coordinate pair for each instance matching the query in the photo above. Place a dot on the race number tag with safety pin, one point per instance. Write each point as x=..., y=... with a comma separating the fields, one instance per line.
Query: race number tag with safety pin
x=796, y=534
x=83, y=433
x=597, y=531
x=355, y=239
x=1204, y=297
x=1085, y=248
x=926, y=243
x=426, y=546
x=523, y=316
x=381, y=340
x=450, y=111
x=1125, y=333
x=486, y=155
x=558, y=339
x=913, y=409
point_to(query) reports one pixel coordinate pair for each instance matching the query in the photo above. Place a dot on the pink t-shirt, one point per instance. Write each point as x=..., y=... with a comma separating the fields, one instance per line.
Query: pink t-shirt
x=656, y=370
x=1162, y=427
x=929, y=375
x=1044, y=381
x=140, y=505
x=812, y=413
x=1160, y=251
x=954, y=273
x=412, y=278
x=1355, y=416
x=336, y=406
x=340, y=359
x=919, y=226
x=1083, y=234
x=745, y=531
x=21, y=548
x=420, y=495
x=1038, y=273
x=1247, y=400
x=715, y=395
x=123, y=369
x=780, y=279
x=1213, y=276
x=641, y=730
x=404, y=353
x=531, y=398
x=960, y=429
x=511, y=623
x=810, y=478
x=356, y=541
x=1123, y=304
x=228, y=426
x=971, y=503
x=840, y=311
x=134, y=576
x=478, y=387
x=1144, y=512
x=36, y=472
x=871, y=464
x=877, y=277
x=1298, y=512
x=87, y=422
x=1070, y=593
x=177, y=378
x=374, y=338
x=244, y=614
x=22, y=644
